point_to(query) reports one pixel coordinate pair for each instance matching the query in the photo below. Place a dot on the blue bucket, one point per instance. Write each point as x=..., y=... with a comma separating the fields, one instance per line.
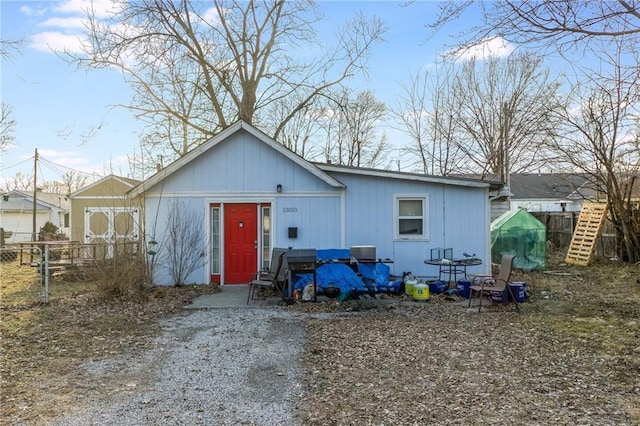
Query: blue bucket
x=438, y=287
x=519, y=290
x=464, y=288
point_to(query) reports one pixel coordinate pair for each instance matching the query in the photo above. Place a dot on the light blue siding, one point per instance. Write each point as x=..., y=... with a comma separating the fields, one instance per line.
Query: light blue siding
x=240, y=164
x=243, y=168
x=317, y=219
x=457, y=219
x=156, y=215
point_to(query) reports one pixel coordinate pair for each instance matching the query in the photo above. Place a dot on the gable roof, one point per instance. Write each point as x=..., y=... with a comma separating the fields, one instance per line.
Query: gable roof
x=22, y=201
x=390, y=174
x=128, y=182
x=221, y=137
x=553, y=186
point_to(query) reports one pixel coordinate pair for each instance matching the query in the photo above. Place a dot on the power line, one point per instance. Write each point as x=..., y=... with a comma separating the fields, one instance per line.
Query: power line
x=51, y=165
x=18, y=164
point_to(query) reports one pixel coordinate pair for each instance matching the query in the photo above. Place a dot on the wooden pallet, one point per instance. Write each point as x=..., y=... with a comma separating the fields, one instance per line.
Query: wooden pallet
x=586, y=234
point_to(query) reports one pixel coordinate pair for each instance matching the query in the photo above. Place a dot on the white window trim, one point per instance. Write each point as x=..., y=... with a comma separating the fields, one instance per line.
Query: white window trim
x=425, y=217
x=219, y=241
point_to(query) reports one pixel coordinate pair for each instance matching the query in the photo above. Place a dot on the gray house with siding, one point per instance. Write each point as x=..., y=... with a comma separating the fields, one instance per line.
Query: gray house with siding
x=249, y=194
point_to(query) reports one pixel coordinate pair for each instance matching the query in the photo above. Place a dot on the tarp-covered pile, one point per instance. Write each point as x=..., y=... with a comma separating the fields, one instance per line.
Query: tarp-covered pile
x=335, y=271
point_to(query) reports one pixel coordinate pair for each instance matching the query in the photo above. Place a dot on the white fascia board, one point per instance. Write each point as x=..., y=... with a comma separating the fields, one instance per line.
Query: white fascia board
x=223, y=135
x=387, y=174
x=98, y=182
x=238, y=196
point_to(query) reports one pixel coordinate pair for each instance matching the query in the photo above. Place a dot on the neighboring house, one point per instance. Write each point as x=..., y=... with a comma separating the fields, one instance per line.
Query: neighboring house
x=244, y=193
x=549, y=192
x=16, y=214
x=102, y=213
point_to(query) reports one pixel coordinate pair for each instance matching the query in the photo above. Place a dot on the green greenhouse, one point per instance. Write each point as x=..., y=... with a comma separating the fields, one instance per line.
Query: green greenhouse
x=520, y=233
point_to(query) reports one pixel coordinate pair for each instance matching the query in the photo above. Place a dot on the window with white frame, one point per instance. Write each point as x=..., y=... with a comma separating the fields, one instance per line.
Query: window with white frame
x=215, y=240
x=411, y=217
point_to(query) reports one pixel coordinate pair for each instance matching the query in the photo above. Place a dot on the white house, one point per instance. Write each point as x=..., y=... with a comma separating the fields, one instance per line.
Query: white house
x=246, y=193
x=16, y=214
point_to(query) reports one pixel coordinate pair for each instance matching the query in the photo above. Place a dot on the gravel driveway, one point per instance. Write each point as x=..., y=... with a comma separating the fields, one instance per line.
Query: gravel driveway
x=222, y=366
x=317, y=364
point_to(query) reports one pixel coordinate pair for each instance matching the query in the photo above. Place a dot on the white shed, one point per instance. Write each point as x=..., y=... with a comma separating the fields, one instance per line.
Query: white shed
x=245, y=193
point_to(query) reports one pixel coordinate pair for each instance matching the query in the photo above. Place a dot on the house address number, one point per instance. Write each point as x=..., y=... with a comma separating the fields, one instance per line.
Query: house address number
x=289, y=209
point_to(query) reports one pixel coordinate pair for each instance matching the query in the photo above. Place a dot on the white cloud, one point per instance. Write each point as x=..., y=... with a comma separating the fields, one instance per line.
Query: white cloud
x=52, y=153
x=495, y=46
x=30, y=11
x=76, y=163
x=68, y=23
x=211, y=17
x=101, y=8
x=49, y=41
x=65, y=19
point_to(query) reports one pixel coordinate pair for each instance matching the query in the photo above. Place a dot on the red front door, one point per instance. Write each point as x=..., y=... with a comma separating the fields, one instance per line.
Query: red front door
x=240, y=242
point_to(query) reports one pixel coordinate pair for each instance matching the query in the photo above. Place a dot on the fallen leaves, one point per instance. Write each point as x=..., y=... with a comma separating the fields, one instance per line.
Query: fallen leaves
x=571, y=357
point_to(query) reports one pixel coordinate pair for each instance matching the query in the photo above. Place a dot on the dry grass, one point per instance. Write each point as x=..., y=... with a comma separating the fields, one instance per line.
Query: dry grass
x=579, y=332
x=571, y=357
x=42, y=345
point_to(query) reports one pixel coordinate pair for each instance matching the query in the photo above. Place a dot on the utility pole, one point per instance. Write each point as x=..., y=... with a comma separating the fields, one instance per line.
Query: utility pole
x=507, y=171
x=35, y=192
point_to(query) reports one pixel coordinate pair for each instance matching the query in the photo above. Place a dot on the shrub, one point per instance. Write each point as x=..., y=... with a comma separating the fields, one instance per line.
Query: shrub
x=123, y=275
x=50, y=232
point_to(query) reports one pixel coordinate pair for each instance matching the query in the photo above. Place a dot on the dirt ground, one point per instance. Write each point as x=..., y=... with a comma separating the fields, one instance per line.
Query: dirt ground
x=572, y=356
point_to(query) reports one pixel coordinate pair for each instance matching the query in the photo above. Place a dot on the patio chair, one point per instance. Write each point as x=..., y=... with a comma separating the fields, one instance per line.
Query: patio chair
x=483, y=285
x=273, y=278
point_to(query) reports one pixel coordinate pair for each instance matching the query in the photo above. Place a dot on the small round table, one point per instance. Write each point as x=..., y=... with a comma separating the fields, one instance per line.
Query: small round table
x=453, y=267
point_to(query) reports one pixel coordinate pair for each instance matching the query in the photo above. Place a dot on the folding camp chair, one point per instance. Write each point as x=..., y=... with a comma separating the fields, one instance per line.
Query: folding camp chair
x=484, y=284
x=274, y=278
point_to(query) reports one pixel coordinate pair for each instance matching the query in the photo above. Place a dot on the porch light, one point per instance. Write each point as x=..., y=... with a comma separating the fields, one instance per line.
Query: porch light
x=151, y=247
x=279, y=188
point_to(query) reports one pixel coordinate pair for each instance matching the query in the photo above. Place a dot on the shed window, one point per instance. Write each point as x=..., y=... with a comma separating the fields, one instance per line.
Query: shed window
x=411, y=217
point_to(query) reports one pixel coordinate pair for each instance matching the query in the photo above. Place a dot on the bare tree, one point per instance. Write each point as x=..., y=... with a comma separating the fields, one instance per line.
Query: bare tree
x=350, y=126
x=8, y=47
x=7, y=127
x=182, y=249
x=198, y=68
x=427, y=112
x=303, y=130
x=557, y=24
x=70, y=182
x=7, y=122
x=506, y=113
x=601, y=137
x=18, y=182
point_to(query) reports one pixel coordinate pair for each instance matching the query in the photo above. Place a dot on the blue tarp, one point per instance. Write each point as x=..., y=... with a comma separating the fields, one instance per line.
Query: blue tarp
x=331, y=274
x=333, y=254
x=374, y=277
x=377, y=275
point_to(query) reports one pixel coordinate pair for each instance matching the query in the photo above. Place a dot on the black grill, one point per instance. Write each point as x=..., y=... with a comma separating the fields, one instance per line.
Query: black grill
x=301, y=259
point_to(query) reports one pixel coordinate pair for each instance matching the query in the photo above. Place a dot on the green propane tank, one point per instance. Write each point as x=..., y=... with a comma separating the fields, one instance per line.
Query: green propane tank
x=409, y=286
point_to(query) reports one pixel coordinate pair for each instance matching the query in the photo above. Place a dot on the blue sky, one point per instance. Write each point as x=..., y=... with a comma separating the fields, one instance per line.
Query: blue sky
x=69, y=114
